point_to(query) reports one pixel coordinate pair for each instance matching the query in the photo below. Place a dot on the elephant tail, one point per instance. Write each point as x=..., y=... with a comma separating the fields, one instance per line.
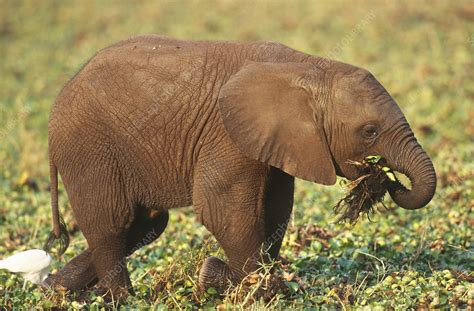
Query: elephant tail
x=59, y=231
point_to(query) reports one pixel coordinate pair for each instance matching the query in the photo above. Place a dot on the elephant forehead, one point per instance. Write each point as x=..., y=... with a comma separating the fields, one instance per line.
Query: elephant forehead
x=356, y=105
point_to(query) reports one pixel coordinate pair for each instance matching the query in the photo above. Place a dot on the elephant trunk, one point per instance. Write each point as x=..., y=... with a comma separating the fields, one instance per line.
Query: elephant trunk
x=411, y=160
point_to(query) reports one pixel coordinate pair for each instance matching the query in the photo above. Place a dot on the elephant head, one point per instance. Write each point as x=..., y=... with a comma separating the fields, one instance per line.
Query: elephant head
x=309, y=121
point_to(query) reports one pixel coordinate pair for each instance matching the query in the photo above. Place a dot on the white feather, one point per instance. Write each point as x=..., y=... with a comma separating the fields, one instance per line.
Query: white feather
x=32, y=264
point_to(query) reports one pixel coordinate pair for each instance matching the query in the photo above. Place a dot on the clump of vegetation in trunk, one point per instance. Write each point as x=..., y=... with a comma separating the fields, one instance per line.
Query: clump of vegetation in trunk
x=366, y=192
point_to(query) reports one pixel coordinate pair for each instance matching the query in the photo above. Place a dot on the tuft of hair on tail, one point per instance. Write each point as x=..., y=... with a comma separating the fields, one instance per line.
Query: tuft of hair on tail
x=59, y=232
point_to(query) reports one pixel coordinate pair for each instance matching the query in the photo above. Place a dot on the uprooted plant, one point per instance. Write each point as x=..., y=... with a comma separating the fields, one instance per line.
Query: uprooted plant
x=366, y=193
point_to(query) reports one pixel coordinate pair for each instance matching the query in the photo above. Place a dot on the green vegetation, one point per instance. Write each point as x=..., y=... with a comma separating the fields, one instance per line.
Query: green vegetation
x=422, y=53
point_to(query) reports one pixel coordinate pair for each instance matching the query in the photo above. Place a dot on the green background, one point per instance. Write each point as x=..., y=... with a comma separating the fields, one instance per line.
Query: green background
x=420, y=51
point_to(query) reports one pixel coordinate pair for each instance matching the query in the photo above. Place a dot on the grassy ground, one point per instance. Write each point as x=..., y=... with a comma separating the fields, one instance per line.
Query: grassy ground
x=421, y=51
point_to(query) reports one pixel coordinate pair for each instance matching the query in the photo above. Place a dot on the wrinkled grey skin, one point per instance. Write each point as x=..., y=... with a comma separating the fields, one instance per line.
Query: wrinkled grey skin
x=153, y=123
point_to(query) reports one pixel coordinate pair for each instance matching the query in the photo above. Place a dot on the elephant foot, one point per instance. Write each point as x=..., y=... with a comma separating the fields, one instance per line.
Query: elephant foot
x=117, y=295
x=78, y=274
x=115, y=287
x=69, y=282
x=53, y=281
x=216, y=274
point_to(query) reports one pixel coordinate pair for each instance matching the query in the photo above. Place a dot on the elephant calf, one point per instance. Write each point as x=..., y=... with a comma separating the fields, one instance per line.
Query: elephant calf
x=154, y=123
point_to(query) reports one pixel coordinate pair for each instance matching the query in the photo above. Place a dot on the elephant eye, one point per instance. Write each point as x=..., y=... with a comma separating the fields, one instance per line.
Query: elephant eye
x=369, y=131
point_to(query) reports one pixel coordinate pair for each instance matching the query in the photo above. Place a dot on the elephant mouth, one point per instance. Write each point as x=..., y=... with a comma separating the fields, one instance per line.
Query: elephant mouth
x=367, y=191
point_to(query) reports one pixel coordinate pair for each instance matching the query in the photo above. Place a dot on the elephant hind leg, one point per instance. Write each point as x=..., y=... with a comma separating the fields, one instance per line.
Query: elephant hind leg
x=146, y=228
x=103, y=265
x=109, y=259
x=79, y=273
x=109, y=256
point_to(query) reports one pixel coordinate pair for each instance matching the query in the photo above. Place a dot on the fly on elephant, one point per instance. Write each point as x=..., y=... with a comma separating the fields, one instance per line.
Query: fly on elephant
x=154, y=123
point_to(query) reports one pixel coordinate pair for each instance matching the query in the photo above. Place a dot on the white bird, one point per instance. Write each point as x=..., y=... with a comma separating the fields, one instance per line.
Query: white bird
x=32, y=265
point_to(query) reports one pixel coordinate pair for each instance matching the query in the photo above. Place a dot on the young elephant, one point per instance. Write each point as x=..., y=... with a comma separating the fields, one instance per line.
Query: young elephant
x=154, y=123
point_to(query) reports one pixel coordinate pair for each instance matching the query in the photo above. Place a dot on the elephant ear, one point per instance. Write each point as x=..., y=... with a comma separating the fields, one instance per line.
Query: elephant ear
x=268, y=110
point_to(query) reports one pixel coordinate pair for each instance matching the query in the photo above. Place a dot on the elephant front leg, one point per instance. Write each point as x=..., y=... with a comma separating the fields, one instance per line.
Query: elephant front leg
x=278, y=206
x=241, y=236
x=246, y=218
